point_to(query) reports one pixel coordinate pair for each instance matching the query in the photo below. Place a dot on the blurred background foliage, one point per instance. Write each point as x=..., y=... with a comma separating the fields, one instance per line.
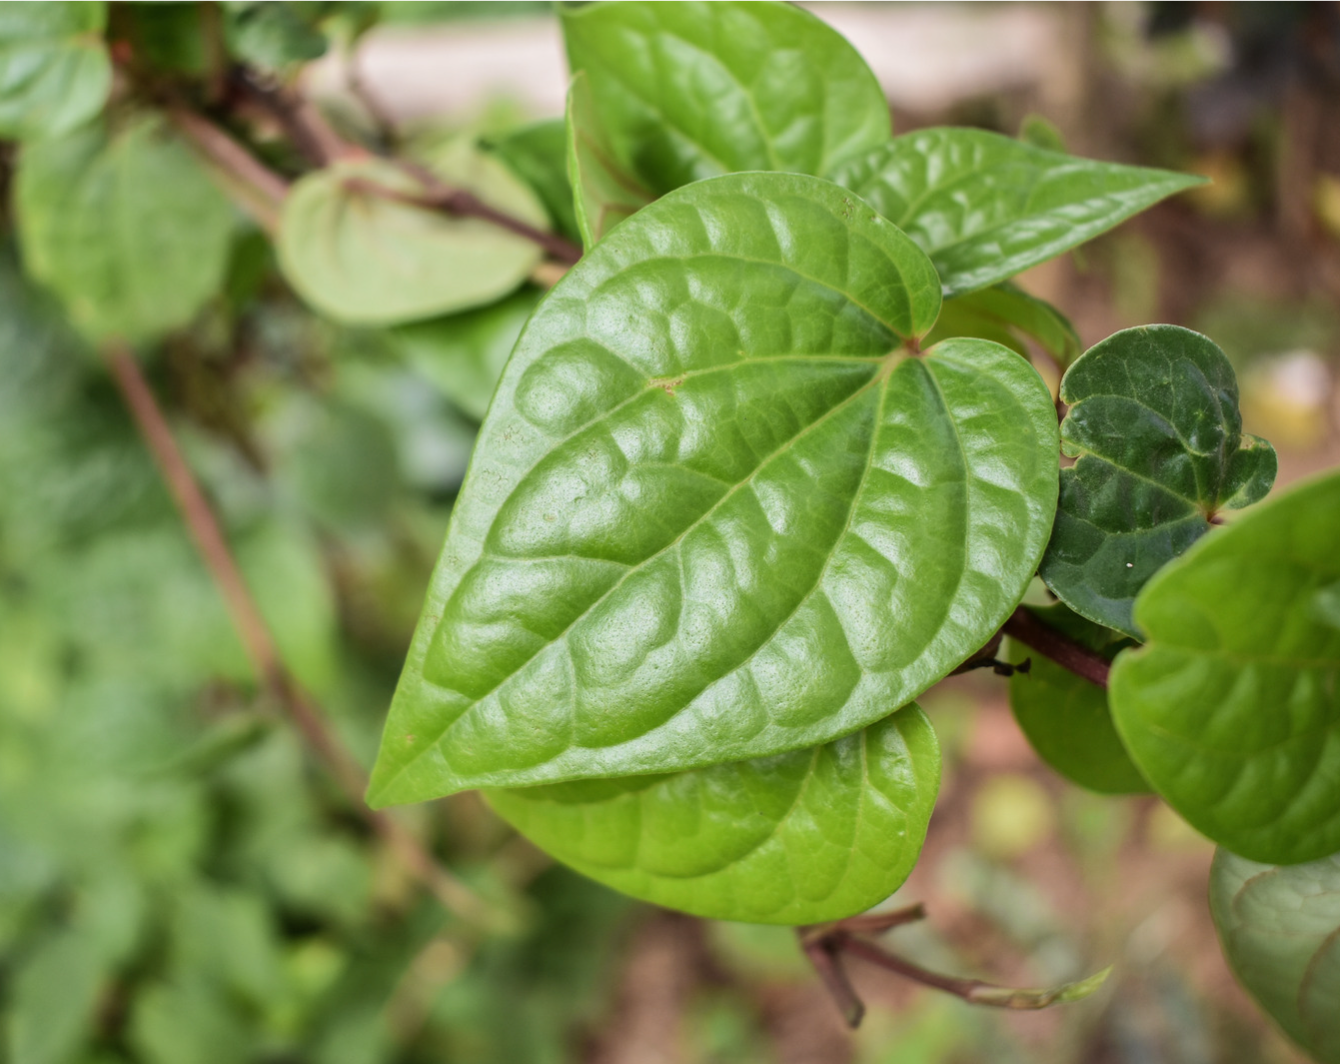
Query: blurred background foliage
x=180, y=883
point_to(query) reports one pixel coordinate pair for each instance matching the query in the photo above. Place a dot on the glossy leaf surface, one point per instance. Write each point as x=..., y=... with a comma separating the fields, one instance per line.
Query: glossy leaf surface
x=1232, y=709
x=692, y=90
x=717, y=511
x=127, y=229
x=464, y=354
x=1280, y=929
x=604, y=192
x=1065, y=717
x=54, y=70
x=798, y=838
x=538, y=154
x=363, y=257
x=985, y=207
x=1154, y=422
x=1008, y=315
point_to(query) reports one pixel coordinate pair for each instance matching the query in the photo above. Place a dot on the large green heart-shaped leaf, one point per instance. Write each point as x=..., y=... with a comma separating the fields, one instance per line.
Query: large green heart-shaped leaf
x=1154, y=422
x=799, y=838
x=367, y=258
x=985, y=207
x=1007, y=314
x=1232, y=710
x=54, y=70
x=127, y=229
x=604, y=193
x=718, y=509
x=692, y=90
x=1066, y=718
x=1280, y=929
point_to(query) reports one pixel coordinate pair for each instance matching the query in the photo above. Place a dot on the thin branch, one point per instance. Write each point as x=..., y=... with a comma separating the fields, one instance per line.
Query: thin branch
x=255, y=187
x=260, y=646
x=1063, y=650
x=305, y=126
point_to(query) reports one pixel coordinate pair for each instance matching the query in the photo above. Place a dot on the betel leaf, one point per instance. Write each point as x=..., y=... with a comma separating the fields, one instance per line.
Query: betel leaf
x=985, y=207
x=1154, y=423
x=692, y=90
x=799, y=838
x=718, y=510
x=538, y=154
x=1232, y=709
x=1280, y=929
x=125, y=227
x=464, y=354
x=357, y=251
x=604, y=192
x=55, y=73
x=1065, y=717
x=1008, y=315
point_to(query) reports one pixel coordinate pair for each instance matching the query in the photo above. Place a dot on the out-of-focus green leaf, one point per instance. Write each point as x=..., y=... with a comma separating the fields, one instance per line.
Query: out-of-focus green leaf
x=126, y=228
x=363, y=257
x=464, y=354
x=1154, y=422
x=1232, y=709
x=1280, y=929
x=985, y=207
x=689, y=529
x=274, y=35
x=54, y=69
x=604, y=192
x=226, y=935
x=53, y=997
x=1007, y=314
x=800, y=838
x=692, y=90
x=1066, y=718
x=189, y=1022
x=538, y=154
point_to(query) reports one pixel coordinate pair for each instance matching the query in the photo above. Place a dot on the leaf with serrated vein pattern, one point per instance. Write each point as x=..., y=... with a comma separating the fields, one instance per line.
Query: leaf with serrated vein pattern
x=985, y=207
x=718, y=510
x=799, y=838
x=1232, y=709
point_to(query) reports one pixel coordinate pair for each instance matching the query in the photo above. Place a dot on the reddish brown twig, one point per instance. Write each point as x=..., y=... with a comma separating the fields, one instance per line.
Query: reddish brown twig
x=1060, y=648
x=255, y=188
x=260, y=646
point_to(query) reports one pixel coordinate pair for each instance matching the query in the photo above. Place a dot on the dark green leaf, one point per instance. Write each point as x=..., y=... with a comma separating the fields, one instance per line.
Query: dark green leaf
x=1154, y=422
x=54, y=70
x=1066, y=718
x=605, y=193
x=1232, y=710
x=464, y=354
x=127, y=229
x=691, y=90
x=274, y=35
x=1008, y=315
x=717, y=510
x=538, y=154
x=799, y=838
x=363, y=258
x=985, y=207
x=1280, y=929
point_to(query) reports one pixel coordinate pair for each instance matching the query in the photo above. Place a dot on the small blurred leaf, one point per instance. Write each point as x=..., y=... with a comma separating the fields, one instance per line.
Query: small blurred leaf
x=362, y=257
x=538, y=154
x=55, y=73
x=188, y=1023
x=53, y=999
x=1007, y=314
x=464, y=354
x=126, y=228
x=1280, y=929
x=226, y=935
x=274, y=35
x=1010, y=998
x=1066, y=718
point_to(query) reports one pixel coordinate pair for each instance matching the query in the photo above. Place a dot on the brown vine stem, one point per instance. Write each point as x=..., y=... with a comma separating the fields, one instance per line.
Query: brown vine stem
x=260, y=646
x=1063, y=650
